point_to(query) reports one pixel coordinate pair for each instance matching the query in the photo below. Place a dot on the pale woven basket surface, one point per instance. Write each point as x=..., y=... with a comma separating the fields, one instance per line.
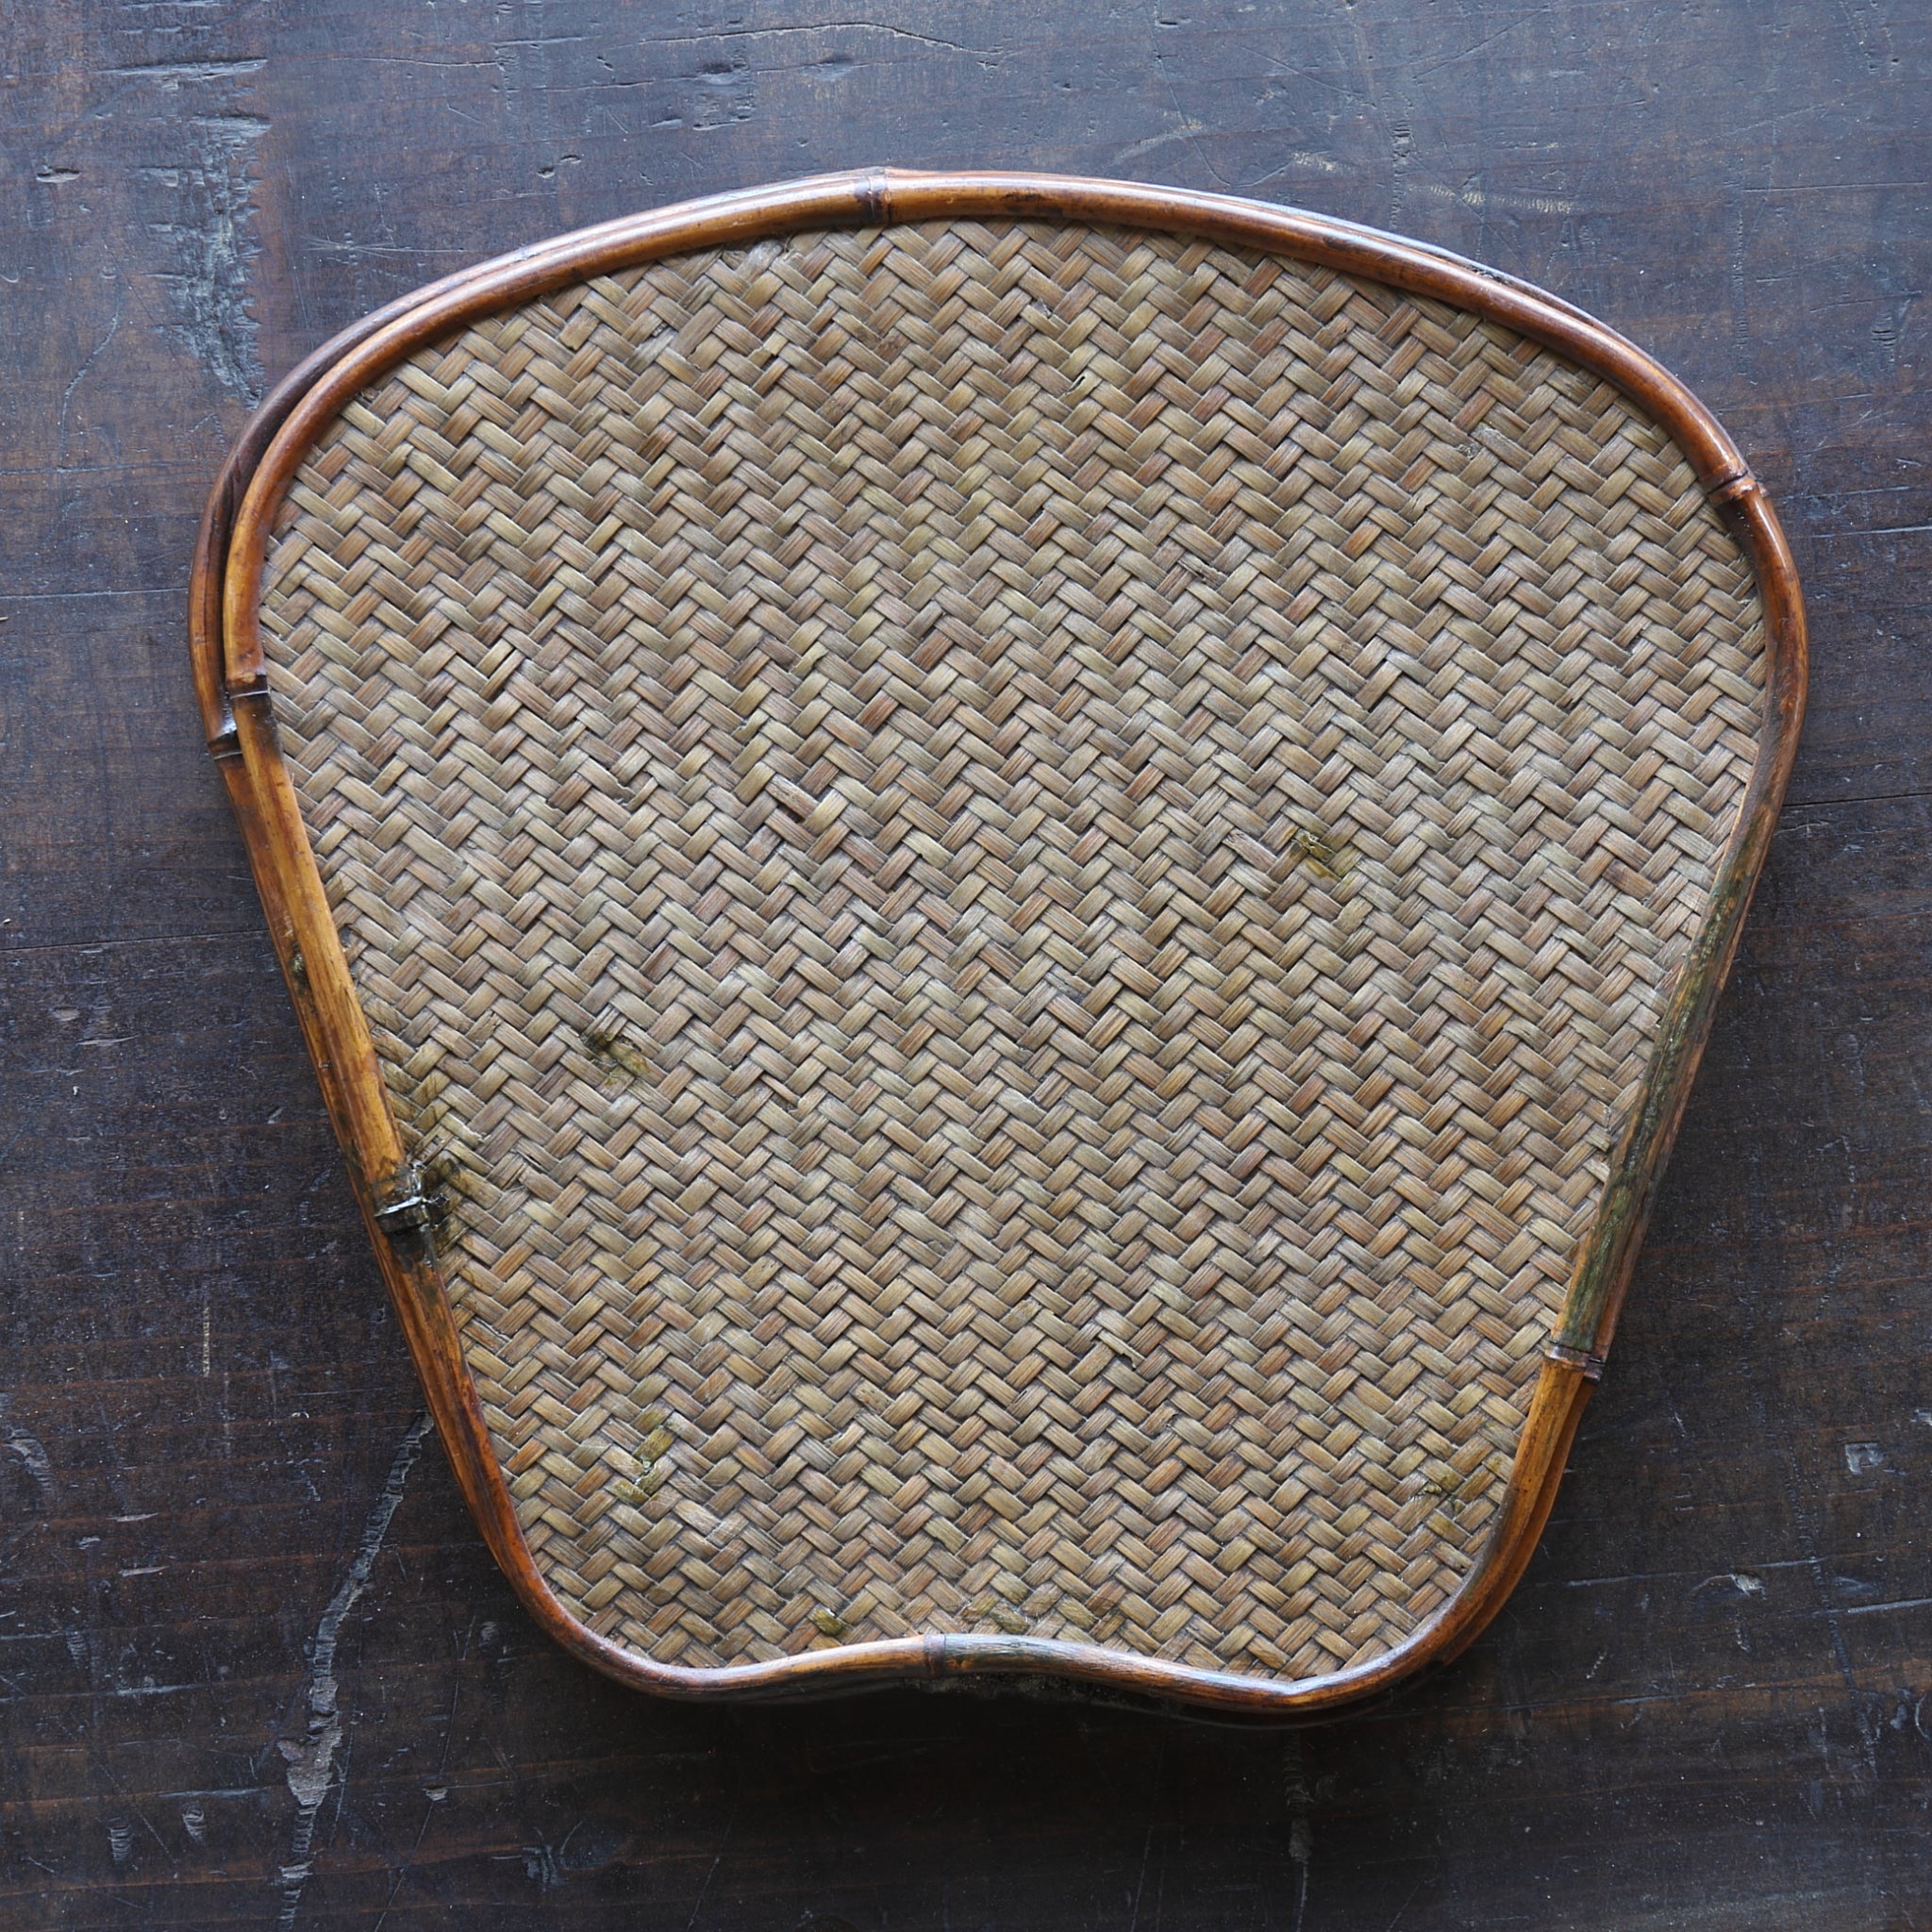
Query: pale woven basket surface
x=1021, y=874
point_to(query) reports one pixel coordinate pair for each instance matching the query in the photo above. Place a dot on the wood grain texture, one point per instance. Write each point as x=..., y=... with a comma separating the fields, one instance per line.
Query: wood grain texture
x=240, y=1605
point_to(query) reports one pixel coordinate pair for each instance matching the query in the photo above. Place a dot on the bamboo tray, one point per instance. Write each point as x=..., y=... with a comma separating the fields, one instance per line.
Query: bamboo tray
x=1005, y=889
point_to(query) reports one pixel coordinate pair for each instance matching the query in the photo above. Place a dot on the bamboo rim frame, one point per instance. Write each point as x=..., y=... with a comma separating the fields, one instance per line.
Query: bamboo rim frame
x=232, y=690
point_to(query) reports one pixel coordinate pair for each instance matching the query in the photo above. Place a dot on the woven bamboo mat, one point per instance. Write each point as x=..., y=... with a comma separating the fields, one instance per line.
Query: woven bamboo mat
x=1018, y=876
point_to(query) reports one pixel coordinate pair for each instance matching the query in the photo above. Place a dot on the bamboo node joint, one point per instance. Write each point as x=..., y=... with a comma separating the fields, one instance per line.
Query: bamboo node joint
x=405, y=1208
x=1590, y=1364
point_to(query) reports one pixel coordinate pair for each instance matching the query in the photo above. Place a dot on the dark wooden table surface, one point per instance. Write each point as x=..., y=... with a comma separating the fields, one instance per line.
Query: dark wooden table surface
x=254, y=1666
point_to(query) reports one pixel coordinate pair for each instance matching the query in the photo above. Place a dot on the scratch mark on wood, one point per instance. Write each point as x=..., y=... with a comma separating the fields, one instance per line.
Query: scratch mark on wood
x=1301, y=1847
x=1829, y=1610
x=1409, y=1901
x=32, y=1454
x=704, y=1890
x=171, y=73
x=1734, y=263
x=214, y=249
x=1301, y=1833
x=1470, y=52
x=823, y=27
x=1401, y=154
x=1745, y=1582
x=1471, y=196
x=1188, y=130
x=433, y=1795
x=79, y=377
x=312, y=1759
x=1140, y=1880
x=1868, y=44
x=1306, y=159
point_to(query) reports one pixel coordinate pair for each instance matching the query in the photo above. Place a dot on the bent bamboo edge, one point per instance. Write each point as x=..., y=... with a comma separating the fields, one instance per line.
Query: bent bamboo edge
x=231, y=685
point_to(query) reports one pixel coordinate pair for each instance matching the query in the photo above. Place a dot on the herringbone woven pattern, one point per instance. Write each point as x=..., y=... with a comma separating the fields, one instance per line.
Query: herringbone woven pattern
x=1024, y=873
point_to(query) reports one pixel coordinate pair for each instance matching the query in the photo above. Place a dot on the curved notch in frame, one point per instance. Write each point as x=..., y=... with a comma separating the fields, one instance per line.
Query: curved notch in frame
x=231, y=682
